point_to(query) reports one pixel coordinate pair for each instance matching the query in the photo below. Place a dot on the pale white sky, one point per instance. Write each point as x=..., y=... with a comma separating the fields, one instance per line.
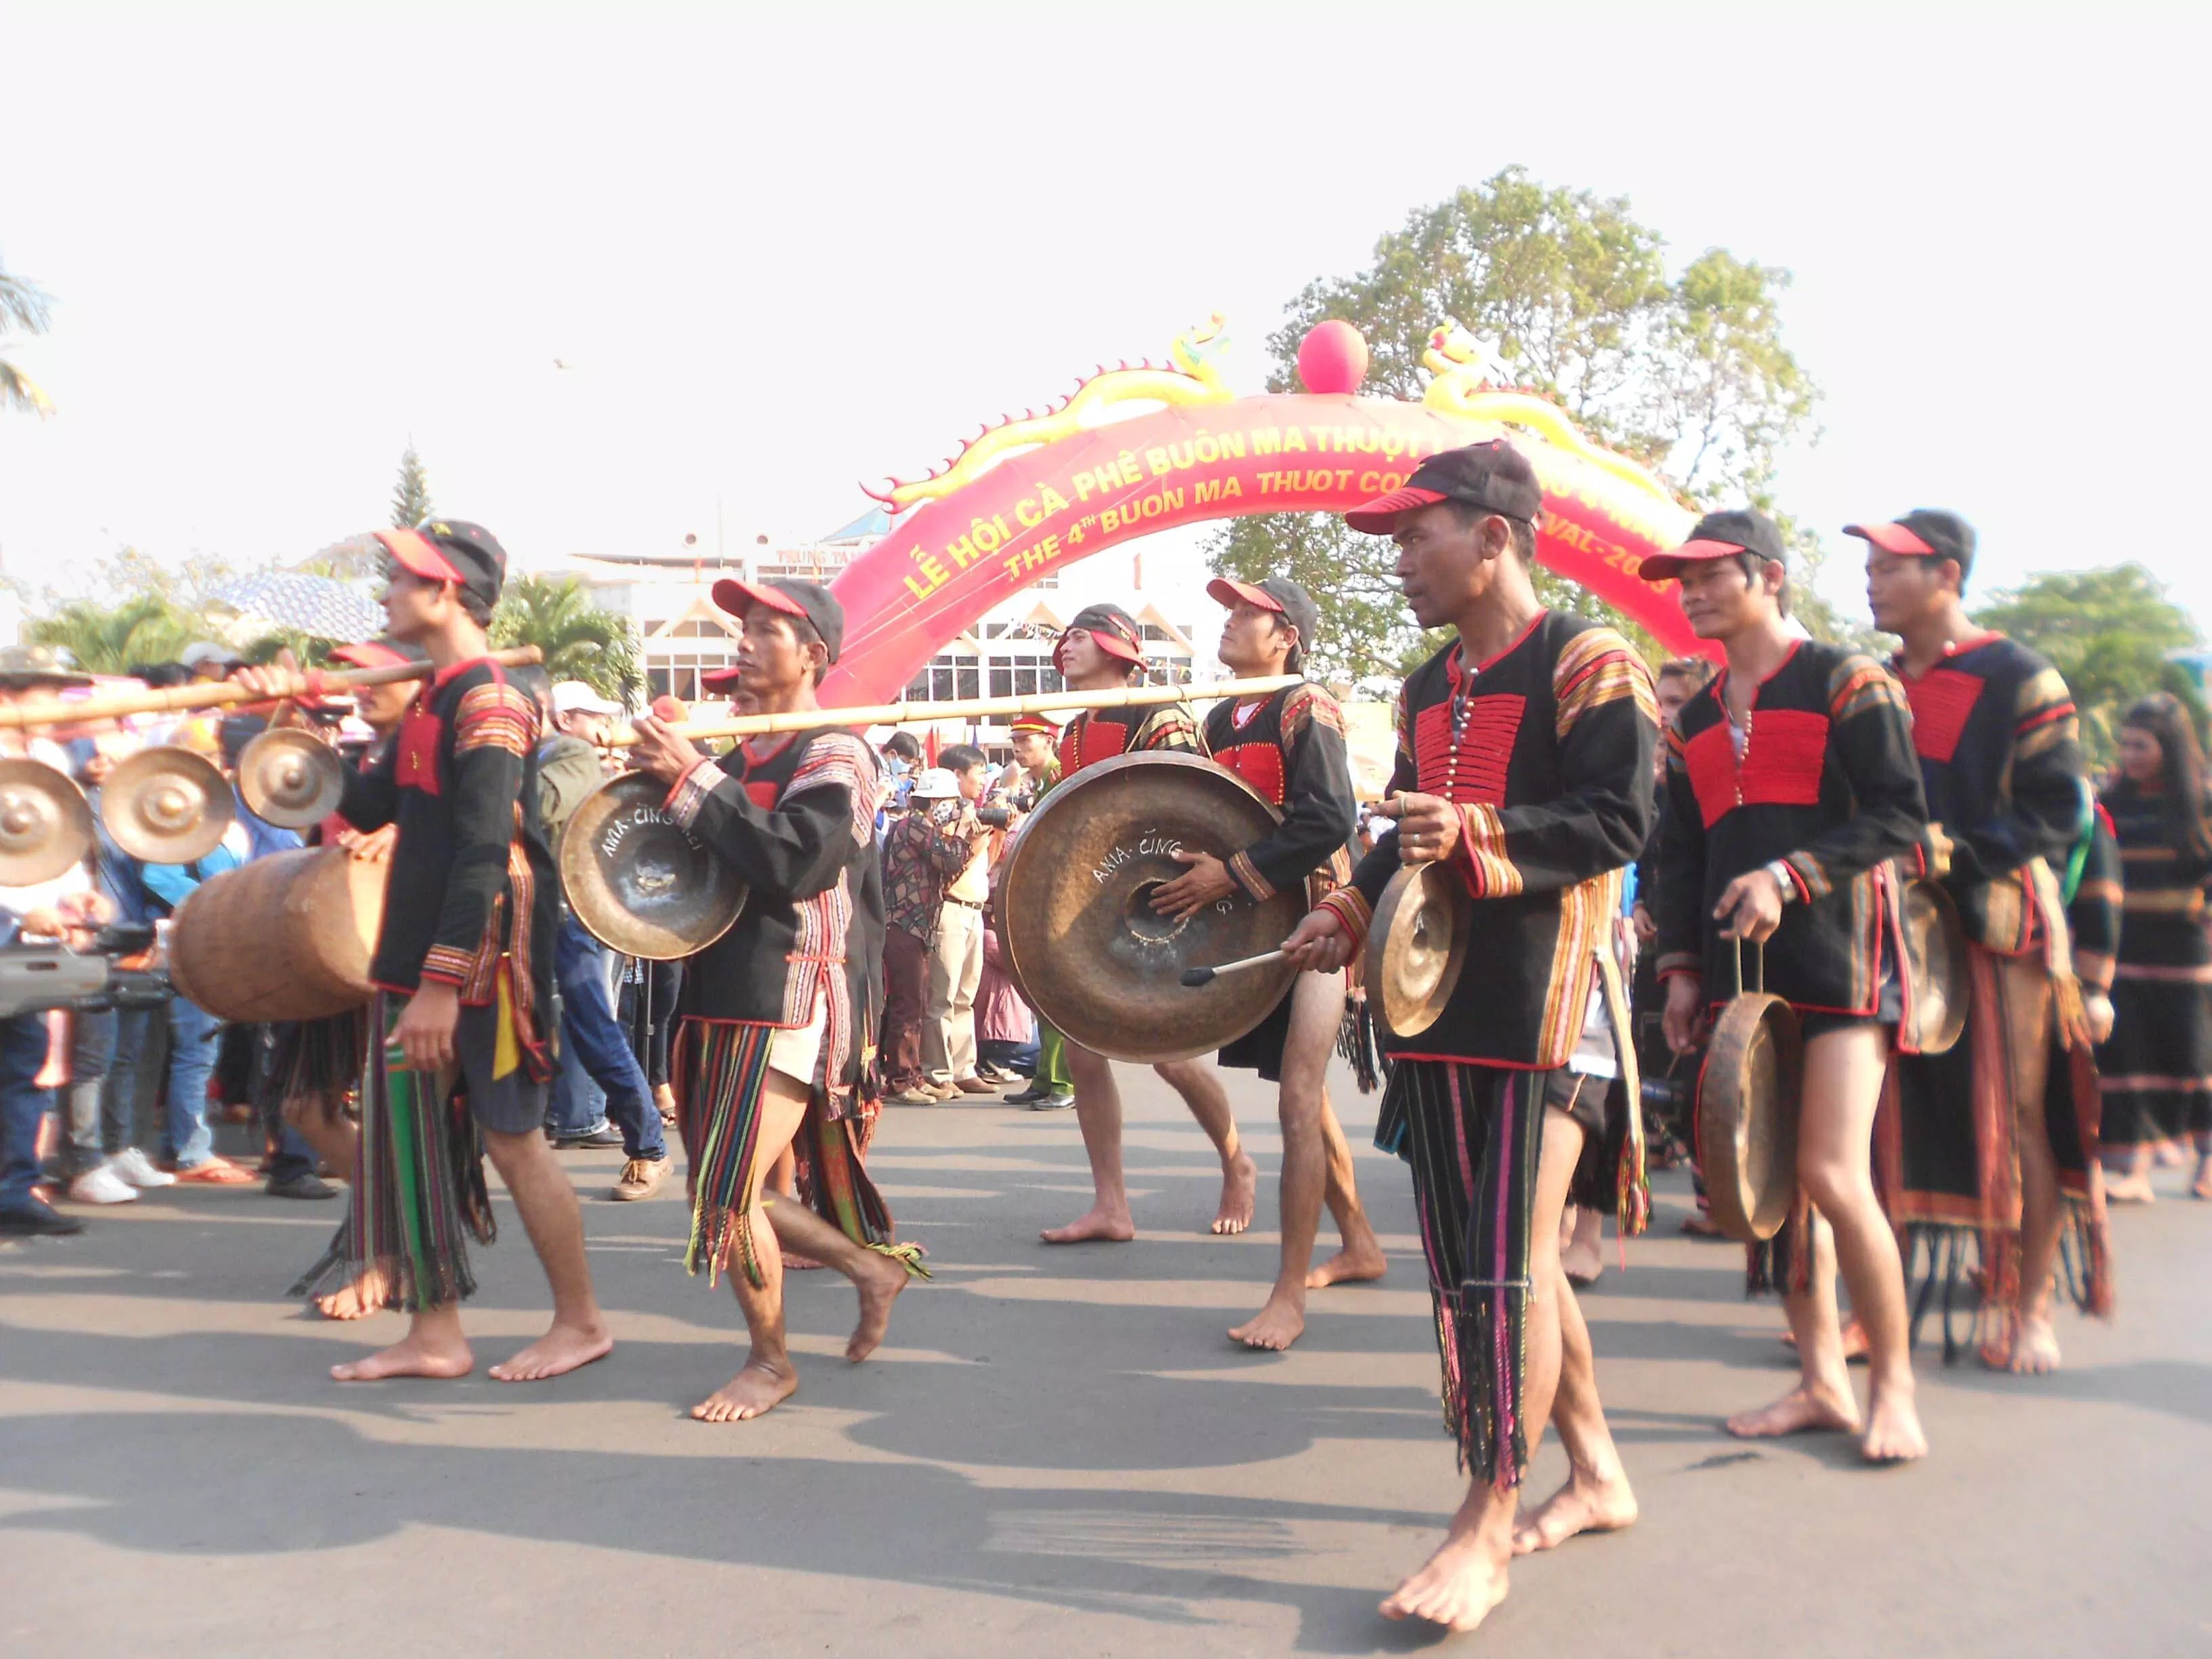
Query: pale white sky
x=786, y=254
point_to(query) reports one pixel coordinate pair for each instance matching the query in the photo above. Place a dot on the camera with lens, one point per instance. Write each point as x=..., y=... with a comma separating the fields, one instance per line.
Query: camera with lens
x=998, y=817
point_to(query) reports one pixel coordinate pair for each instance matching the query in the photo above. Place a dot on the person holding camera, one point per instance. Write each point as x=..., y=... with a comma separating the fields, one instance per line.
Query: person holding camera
x=955, y=945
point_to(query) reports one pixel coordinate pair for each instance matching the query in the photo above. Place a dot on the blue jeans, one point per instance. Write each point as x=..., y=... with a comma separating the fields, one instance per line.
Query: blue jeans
x=593, y=1043
x=94, y=1130
x=192, y=1061
x=23, y=1106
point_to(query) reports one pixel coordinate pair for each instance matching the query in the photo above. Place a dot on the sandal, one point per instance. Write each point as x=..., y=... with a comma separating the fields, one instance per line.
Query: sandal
x=216, y=1172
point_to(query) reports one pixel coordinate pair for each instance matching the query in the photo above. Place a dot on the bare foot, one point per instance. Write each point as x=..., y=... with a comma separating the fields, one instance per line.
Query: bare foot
x=1802, y=1408
x=796, y=1263
x=1240, y=1187
x=365, y=1296
x=1698, y=1225
x=2035, y=1349
x=1582, y=1262
x=1894, y=1434
x=2129, y=1189
x=561, y=1350
x=2201, y=1187
x=1456, y=1589
x=1352, y=1264
x=1587, y=1502
x=1853, y=1337
x=752, y=1392
x=418, y=1356
x=1096, y=1223
x=1276, y=1325
x=879, y=1287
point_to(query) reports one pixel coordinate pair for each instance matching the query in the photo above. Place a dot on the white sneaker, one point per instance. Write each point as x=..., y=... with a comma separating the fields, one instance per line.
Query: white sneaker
x=102, y=1186
x=135, y=1167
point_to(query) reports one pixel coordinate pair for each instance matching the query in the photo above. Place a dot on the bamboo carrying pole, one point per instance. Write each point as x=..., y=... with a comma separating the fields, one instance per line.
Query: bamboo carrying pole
x=923, y=713
x=222, y=694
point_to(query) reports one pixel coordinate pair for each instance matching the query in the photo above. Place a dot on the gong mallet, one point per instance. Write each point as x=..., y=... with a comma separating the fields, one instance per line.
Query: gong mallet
x=1197, y=976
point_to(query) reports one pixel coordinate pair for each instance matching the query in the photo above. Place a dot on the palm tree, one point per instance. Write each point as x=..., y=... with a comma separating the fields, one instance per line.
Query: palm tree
x=104, y=639
x=581, y=641
x=23, y=305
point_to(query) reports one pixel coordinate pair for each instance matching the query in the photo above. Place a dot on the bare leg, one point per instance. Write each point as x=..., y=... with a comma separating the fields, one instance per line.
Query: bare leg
x=1466, y=1577
x=1316, y=1006
x=1823, y=1397
x=767, y=1376
x=2201, y=1185
x=547, y=1199
x=1098, y=1113
x=1597, y=1497
x=878, y=1277
x=337, y=1142
x=2034, y=1347
x=1199, y=1085
x=1360, y=1256
x=1842, y=1086
x=1583, y=1255
x=433, y=1346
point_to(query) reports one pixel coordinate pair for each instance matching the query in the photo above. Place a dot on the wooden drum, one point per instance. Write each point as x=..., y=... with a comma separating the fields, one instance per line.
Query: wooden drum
x=287, y=937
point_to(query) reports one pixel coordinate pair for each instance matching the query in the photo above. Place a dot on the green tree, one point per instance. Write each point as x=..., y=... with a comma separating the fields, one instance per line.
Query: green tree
x=111, y=638
x=410, y=496
x=1689, y=374
x=2108, y=631
x=581, y=641
x=23, y=308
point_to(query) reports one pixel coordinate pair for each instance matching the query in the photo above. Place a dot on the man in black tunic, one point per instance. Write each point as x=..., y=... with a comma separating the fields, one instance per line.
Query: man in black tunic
x=1791, y=787
x=1524, y=764
x=1289, y=746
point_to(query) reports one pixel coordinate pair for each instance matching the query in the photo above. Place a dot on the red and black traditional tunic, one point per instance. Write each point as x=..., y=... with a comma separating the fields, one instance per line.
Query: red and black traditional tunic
x=797, y=814
x=1822, y=783
x=2157, y=1064
x=472, y=885
x=1547, y=750
x=1098, y=734
x=1995, y=733
x=1290, y=747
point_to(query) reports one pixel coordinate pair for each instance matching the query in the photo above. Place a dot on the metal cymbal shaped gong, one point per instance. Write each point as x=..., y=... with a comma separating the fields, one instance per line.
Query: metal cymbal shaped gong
x=1935, y=973
x=291, y=778
x=166, y=805
x=639, y=881
x=1747, y=1097
x=1075, y=913
x=45, y=822
x=1415, y=946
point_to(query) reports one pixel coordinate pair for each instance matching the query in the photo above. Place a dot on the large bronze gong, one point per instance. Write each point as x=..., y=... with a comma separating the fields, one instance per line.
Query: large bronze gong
x=1936, y=986
x=1747, y=1111
x=1416, y=944
x=1075, y=915
x=639, y=882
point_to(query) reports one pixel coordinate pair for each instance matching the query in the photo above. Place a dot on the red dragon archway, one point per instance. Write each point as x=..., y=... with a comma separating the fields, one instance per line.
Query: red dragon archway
x=1033, y=494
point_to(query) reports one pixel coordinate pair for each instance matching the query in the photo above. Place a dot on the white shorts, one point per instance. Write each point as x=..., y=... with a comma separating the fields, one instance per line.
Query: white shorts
x=796, y=1051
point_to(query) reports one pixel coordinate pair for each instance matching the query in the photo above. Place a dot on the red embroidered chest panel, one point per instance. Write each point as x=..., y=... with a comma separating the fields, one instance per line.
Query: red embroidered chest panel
x=1473, y=772
x=1259, y=764
x=416, y=760
x=1942, y=699
x=1095, y=740
x=1781, y=767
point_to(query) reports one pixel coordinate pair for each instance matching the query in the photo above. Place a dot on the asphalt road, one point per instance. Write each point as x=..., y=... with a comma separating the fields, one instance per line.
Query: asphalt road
x=1059, y=1452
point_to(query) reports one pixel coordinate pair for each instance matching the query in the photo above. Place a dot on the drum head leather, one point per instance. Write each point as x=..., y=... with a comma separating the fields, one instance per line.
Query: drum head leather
x=1415, y=946
x=1936, y=979
x=1747, y=1115
x=1076, y=921
x=639, y=881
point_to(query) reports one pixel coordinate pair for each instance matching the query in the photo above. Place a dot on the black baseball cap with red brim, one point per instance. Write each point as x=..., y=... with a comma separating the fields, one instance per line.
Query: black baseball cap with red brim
x=1718, y=536
x=1286, y=599
x=1926, y=533
x=378, y=653
x=1494, y=476
x=1113, y=630
x=450, y=551
x=807, y=602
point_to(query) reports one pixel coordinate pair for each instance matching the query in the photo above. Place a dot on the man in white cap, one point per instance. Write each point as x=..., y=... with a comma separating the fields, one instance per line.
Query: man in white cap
x=581, y=712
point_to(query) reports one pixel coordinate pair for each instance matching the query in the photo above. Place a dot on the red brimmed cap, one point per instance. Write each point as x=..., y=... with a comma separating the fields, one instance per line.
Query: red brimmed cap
x=1113, y=628
x=450, y=551
x=810, y=602
x=1718, y=536
x=1926, y=533
x=1494, y=476
x=1280, y=594
x=719, y=679
x=1040, y=724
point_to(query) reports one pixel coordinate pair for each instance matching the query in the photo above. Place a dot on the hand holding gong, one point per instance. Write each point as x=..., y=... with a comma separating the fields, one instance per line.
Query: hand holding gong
x=662, y=751
x=1428, y=827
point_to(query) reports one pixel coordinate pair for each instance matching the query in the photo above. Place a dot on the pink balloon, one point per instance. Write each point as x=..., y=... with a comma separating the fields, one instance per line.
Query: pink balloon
x=1333, y=357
